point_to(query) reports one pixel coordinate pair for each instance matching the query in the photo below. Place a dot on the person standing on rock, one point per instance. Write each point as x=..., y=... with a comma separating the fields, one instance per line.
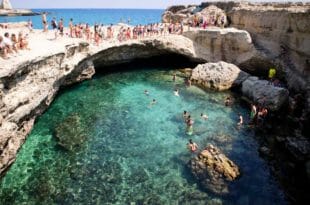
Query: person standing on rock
x=192, y=146
x=271, y=74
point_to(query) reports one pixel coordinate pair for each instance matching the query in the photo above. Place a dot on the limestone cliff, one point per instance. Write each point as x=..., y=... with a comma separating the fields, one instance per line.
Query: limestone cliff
x=280, y=31
x=280, y=34
x=29, y=84
x=28, y=89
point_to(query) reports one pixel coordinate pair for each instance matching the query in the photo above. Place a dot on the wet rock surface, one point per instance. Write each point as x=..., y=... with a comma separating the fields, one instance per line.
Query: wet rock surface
x=214, y=170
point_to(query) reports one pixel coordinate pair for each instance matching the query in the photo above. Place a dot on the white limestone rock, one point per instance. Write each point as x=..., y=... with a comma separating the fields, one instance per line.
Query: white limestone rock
x=218, y=76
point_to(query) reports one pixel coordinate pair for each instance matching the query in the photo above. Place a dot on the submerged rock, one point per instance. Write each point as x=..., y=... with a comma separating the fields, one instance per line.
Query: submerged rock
x=214, y=170
x=70, y=133
x=218, y=76
x=262, y=92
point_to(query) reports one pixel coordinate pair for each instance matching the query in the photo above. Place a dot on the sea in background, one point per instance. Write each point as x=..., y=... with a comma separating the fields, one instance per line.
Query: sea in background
x=92, y=16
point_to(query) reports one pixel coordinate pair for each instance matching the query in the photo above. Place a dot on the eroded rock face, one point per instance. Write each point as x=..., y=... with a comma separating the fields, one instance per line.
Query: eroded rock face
x=218, y=76
x=27, y=89
x=229, y=45
x=264, y=93
x=214, y=170
x=188, y=15
x=282, y=32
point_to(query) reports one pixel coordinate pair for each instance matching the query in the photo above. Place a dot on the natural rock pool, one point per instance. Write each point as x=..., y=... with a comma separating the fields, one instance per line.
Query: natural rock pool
x=133, y=153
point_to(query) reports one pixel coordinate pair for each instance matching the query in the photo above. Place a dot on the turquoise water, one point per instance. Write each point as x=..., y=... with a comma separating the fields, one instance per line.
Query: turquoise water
x=134, y=153
x=92, y=16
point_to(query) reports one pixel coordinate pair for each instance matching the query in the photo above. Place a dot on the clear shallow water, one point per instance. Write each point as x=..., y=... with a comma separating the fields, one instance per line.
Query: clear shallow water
x=92, y=16
x=135, y=154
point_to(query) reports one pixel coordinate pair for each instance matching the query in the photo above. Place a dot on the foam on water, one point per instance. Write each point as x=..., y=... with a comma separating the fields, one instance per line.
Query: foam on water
x=135, y=153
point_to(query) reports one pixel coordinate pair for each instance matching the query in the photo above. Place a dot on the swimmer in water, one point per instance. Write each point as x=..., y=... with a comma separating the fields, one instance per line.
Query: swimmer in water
x=185, y=115
x=189, y=125
x=192, y=146
x=176, y=92
x=146, y=92
x=227, y=101
x=204, y=116
x=152, y=103
x=240, y=120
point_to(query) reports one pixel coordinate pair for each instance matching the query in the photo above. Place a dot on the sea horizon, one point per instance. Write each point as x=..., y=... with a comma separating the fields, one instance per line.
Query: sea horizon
x=92, y=16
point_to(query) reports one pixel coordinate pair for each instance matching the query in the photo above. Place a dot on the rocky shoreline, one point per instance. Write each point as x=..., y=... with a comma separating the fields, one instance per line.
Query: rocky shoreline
x=17, y=12
x=29, y=83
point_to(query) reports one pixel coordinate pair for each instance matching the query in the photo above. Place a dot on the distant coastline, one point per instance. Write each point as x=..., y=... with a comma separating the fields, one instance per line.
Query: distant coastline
x=17, y=12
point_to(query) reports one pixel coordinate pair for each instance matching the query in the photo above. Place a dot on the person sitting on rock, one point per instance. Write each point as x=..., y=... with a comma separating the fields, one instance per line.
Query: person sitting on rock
x=192, y=146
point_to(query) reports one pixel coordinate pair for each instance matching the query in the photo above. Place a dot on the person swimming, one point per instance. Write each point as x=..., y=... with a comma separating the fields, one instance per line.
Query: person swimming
x=189, y=125
x=146, y=92
x=240, y=120
x=185, y=115
x=192, y=146
x=227, y=101
x=176, y=92
x=204, y=116
x=174, y=77
x=152, y=103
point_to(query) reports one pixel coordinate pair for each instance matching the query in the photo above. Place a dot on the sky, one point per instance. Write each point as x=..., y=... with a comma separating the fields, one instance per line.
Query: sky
x=159, y=4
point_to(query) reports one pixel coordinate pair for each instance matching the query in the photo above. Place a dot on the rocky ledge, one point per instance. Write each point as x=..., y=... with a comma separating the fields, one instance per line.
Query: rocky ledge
x=214, y=170
x=224, y=76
